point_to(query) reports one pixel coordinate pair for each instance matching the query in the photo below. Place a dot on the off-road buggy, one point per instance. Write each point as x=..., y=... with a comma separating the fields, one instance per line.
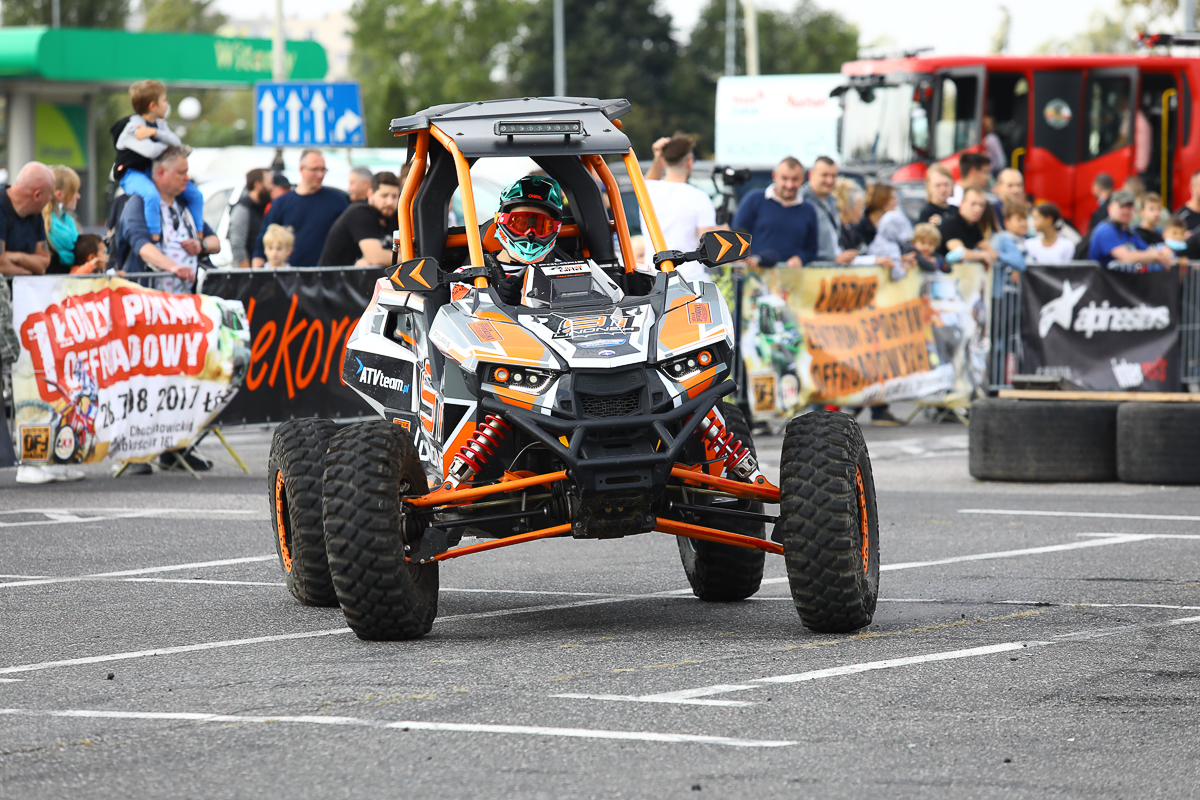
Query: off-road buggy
x=591, y=410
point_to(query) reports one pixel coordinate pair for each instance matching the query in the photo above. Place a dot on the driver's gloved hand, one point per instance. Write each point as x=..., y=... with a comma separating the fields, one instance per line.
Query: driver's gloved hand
x=509, y=289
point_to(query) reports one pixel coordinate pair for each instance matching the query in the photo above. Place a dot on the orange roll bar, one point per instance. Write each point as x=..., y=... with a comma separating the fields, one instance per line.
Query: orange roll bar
x=643, y=198
x=474, y=244
x=416, y=173
x=763, y=491
x=690, y=531
x=441, y=497
x=544, y=533
x=618, y=208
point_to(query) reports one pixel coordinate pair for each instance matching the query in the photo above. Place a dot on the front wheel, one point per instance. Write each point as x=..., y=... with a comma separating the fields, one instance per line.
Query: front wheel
x=369, y=468
x=828, y=522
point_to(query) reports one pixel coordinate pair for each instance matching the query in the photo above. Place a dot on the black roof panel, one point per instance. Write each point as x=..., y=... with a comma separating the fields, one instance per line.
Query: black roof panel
x=472, y=126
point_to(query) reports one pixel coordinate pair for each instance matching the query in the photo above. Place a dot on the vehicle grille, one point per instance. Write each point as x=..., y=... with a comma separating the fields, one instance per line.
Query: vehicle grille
x=621, y=405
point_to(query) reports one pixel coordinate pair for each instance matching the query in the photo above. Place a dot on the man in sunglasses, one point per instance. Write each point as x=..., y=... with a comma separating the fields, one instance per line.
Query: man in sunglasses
x=527, y=227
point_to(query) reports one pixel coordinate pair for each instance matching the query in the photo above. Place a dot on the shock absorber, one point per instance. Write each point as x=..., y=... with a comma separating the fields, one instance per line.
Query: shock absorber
x=480, y=446
x=739, y=461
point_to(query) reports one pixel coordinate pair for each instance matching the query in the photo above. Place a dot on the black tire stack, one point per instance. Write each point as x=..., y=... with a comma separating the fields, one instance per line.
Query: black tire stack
x=1070, y=441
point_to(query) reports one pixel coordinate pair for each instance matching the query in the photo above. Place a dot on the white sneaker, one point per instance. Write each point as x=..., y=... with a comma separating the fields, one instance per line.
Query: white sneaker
x=47, y=473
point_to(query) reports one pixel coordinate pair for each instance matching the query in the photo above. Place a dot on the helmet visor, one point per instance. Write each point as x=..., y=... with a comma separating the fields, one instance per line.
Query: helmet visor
x=529, y=224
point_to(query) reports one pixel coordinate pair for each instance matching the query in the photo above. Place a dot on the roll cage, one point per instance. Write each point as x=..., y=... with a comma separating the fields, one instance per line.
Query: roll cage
x=445, y=141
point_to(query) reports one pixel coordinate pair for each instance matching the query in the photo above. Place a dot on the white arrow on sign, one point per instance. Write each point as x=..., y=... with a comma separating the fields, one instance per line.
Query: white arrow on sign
x=348, y=122
x=318, y=106
x=293, y=106
x=267, y=106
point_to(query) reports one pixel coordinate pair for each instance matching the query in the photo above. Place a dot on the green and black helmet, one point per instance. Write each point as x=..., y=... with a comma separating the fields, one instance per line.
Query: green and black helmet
x=528, y=236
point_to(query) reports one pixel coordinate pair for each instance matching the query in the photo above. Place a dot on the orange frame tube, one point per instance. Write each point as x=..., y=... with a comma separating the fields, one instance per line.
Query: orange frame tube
x=416, y=174
x=764, y=491
x=690, y=531
x=618, y=208
x=643, y=197
x=474, y=243
x=544, y=533
x=441, y=497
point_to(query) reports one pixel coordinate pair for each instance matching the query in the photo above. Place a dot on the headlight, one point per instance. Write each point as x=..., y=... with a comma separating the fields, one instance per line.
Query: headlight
x=523, y=379
x=685, y=366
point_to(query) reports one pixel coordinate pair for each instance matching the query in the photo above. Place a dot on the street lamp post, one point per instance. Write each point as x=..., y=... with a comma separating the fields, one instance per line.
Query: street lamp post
x=278, y=71
x=560, y=51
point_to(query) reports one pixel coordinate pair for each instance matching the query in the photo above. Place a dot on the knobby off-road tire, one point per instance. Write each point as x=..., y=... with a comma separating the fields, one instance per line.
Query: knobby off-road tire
x=369, y=468
x=1056, y=441
x=828, y=522
x=725, y=572
x=1159, y=443
x=295, y=470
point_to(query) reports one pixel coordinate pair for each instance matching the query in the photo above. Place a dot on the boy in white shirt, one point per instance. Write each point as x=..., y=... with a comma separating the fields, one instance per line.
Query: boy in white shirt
x=1048, y=247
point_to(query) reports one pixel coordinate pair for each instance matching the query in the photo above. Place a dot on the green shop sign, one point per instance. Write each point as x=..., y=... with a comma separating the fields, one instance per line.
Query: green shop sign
x=119, y=57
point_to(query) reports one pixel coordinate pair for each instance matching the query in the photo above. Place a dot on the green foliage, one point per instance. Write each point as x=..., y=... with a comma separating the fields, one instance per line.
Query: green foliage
x=73, y=13
x=412, y=54
x=1104, y=34
x=181, y=16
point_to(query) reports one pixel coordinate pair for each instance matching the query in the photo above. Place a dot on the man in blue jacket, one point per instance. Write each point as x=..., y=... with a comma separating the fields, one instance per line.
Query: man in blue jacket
x=784, y=227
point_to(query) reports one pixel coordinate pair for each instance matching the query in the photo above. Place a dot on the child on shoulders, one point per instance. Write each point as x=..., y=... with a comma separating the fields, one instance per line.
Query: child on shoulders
x=143, y=136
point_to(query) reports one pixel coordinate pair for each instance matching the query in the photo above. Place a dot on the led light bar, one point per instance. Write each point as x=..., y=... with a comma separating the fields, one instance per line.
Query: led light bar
x=563, y=127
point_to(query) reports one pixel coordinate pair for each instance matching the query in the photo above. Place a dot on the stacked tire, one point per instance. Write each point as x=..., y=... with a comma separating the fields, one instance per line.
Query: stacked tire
x=1074, y=441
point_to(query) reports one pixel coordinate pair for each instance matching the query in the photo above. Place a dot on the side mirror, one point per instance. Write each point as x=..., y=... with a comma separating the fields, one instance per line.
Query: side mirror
x=417, y=275
x=723, y=247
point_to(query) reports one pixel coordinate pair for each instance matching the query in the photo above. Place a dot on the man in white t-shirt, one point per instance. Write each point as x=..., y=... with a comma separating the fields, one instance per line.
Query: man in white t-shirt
x=684, y=211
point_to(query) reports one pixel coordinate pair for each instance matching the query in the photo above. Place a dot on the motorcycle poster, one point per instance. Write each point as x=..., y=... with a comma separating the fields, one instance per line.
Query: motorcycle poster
x=109, y=368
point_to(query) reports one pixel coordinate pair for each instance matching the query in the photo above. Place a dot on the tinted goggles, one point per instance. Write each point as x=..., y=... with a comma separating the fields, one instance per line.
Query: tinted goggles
x=530, y=223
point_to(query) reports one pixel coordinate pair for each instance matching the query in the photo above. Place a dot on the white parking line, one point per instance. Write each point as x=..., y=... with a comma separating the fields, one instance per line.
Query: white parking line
x=201, y=581
x=685, y=696
x=189, y=648
x=1102, y=540
x=689, y=696
x=145, y=571
x=413, y=725
x=59, y=516
x=1087, y=514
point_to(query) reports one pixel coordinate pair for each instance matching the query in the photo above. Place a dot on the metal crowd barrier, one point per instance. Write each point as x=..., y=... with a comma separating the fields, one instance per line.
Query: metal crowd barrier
x=1005, y=328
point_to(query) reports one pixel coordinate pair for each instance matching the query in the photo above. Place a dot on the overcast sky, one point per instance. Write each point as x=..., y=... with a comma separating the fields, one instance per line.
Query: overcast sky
x=950, y=26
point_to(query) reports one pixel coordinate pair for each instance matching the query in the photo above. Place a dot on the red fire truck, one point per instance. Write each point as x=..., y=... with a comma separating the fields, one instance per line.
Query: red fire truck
x=1061, y=120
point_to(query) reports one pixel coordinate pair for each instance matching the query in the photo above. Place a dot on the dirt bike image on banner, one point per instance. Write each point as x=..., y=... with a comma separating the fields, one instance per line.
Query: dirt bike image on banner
x=111, y=368
x=853, y=336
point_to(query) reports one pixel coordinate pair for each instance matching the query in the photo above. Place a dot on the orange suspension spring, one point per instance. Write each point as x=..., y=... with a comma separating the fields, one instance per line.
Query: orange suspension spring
x=481, y=446
x=737, y=457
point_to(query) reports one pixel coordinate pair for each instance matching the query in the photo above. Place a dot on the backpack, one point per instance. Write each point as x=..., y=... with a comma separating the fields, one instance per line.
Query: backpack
x=126, y=159
x=112, y=225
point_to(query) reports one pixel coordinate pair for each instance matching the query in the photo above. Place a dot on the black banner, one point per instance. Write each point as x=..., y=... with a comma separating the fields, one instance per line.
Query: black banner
x=1104, y=330
x=299, y=322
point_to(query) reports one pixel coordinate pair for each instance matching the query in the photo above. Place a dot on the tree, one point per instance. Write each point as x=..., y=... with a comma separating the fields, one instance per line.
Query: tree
x=614, y=48
x=412, y=54
x=181, y=16
x=1104, y=34
x=803, y=40
x=73, y=13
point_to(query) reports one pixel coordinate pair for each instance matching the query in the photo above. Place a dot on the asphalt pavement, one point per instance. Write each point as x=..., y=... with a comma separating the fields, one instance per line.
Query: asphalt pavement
x=1030, y=642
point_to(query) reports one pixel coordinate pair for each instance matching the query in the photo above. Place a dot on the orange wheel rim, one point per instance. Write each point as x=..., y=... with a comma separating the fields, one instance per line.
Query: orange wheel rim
x=284, y=551
x=862, y=520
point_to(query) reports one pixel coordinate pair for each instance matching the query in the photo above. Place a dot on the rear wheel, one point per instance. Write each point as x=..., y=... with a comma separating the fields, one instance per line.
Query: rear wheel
x=725, y=572
x=369, y=468
x=295, y=470
x=828, y=522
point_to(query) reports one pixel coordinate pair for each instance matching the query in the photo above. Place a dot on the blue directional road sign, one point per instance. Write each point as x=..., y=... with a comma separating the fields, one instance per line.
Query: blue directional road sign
x=308, y=114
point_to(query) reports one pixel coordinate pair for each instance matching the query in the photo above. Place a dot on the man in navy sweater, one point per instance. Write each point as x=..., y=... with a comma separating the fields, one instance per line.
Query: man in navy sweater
x=310, y=211
x=784, y=227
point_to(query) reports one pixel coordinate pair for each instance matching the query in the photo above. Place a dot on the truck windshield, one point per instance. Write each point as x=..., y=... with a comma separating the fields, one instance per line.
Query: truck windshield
x=876, y=124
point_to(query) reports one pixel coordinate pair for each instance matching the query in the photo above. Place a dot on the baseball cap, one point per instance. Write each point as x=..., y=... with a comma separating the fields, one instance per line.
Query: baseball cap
x=1122, y=197
x=280, y=180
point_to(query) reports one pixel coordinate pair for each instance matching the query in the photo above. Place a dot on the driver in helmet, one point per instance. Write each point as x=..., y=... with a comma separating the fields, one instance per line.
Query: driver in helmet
x=527, y=226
